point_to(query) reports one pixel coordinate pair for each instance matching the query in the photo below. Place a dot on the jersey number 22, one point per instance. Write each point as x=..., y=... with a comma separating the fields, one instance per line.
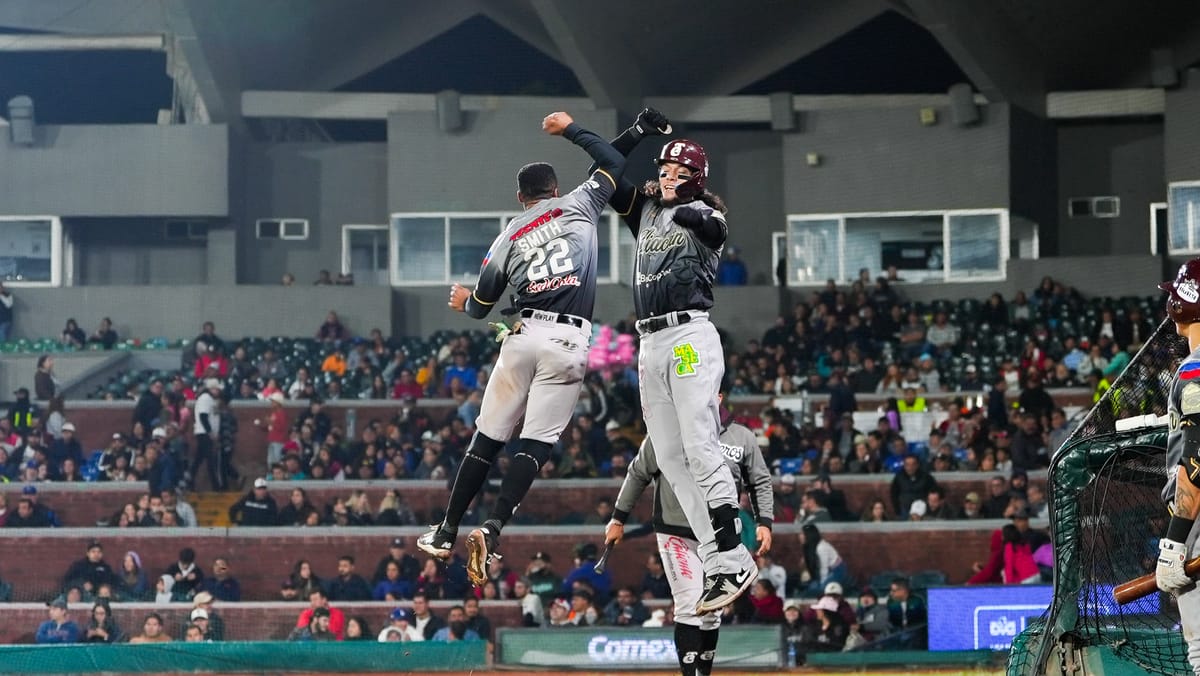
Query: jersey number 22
x=559, y=260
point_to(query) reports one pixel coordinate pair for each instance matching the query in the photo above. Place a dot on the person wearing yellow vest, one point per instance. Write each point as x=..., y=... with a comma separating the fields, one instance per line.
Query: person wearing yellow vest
x=912, y=403
x=23, y=415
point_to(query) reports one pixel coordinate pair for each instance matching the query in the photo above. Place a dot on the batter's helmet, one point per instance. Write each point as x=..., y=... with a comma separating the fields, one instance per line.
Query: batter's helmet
x=691, y=155
x=1183, y=294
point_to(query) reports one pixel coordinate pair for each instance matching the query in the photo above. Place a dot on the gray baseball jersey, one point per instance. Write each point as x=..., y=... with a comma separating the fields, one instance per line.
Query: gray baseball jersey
x=673, y=269
x=740, y=449
x=1183, y=408
x=548, y=253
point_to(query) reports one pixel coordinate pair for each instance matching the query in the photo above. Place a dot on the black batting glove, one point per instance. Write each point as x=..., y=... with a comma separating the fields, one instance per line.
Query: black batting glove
x=688, y=217
x=650, y=122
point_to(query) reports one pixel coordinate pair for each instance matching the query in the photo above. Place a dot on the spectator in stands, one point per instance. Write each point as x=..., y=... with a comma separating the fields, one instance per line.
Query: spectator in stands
x=104, y=335
x=211, y=364
x=269, y=366
x=222, y=585
x=970, y=380
x=59, y=628
x=455, y=628
x=972, y=507
x=1011, y=556
x=1029, y=445
x=348, y=585
x=828, y=631
x=319, y=601
x=332, y=330
x=26, y=516
x=424, y=620
x=768, y=605
x=357, y=629
x=813, y=509
x=559, y=614
x=298, y=509
x=943, y=335
x=912, y=337
x=912, y=483
x=532, y=612
x=132, y=583
x=998, y=498
x=937, y=508
x=916, y=511
x=905, y=610
x=928, y=375
x=187, y=575
x=22, y=414
x=72, y=336
x=201, y=622
x=335, y=363
x=393, y=586
x=1037, y=501
x=91, y=571
x=305, y=579
x=256, y=508
x=731, y=271
x=317, y=627
x=475, y=620
x=543, y=581
x=401, y=628
x=152, y=631
x=871, y=616
x=409, y=567
x=822, y=562
x=876, y=512
x=102, y=626
x=626, y=609
x=44, y=382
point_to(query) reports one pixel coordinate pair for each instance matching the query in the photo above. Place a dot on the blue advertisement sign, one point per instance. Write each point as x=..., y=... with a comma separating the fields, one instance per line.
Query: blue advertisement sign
x=990, y=616
x=983, y=616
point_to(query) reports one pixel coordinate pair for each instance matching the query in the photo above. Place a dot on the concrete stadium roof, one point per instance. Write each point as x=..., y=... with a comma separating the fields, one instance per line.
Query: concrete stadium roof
x=623, y=52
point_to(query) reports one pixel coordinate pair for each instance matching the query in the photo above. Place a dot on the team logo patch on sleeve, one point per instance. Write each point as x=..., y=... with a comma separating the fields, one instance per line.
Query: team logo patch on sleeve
x=1190, y=370
x=1189, y=399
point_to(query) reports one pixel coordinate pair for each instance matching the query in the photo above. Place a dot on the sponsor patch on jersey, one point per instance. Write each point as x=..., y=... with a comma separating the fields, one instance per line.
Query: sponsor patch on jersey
x=1189, y=399
x=734, y=453
x=687, y=358
x=1189, y=370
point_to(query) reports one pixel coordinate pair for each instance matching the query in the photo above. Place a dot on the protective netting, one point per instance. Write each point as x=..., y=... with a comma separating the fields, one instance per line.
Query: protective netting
x=1106, y=516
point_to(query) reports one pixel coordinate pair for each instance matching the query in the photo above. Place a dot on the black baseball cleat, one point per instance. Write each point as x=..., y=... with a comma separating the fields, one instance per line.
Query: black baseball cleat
x=437, y=542
x=723, y=589
x=481, y=548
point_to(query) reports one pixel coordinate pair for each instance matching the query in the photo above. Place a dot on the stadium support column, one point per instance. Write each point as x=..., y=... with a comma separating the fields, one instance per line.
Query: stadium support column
x=222, y=256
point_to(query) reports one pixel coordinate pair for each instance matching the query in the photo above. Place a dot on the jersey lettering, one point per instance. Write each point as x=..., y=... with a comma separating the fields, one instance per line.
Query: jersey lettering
x=688, y=358
x=652, y=244
x=734, y=453
x=536, y=223
x=559, y=263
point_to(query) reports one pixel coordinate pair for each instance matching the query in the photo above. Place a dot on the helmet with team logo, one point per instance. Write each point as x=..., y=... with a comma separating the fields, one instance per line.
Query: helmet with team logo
x=1183, y=293
x=691, y=155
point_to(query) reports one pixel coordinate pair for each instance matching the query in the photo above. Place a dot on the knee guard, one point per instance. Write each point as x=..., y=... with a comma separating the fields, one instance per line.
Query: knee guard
x=484, y=448
x=538, y=451
x=726, y=527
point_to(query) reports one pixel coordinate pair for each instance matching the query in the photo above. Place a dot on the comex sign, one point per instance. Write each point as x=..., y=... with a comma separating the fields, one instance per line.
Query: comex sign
x=603, y=649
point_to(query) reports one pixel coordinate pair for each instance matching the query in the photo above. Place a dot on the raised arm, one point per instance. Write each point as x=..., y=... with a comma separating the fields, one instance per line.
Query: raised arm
x=627, y=200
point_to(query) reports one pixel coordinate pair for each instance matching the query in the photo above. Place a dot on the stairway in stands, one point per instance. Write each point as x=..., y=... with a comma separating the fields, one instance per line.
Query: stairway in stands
x=212, y=509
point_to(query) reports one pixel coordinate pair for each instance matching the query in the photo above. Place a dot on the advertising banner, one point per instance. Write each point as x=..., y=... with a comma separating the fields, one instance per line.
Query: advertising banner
x=632, y=647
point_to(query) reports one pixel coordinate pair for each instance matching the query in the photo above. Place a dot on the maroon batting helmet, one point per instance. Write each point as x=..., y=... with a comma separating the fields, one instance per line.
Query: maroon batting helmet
x=691, y=155
x=1183, y=294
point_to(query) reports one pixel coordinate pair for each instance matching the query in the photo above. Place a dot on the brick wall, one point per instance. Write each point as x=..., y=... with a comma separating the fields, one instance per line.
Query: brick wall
x=243, y=622
x=548, y=501
x=261, y=563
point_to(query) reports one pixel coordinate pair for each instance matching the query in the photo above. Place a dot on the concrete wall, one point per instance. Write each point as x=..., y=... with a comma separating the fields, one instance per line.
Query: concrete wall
x=331, y=185
x=1100, y=159
x=117, y=170
x=885, y=160
x=475, y=169
x=134, y=251
x=178, y=311
x=1181, y=155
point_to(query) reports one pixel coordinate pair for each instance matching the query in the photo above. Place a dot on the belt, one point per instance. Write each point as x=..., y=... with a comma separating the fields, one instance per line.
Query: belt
x=652, y=324
x=555, y=317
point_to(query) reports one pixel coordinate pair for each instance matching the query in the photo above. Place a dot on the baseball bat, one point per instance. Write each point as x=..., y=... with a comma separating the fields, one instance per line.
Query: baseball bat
x=603, y=562
x=1145, y=585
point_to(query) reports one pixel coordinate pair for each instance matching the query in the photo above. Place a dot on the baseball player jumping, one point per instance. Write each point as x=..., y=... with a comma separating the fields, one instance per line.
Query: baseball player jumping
x=548, y=254
x=695, y=635
x=680, y=230
x=1182, y=492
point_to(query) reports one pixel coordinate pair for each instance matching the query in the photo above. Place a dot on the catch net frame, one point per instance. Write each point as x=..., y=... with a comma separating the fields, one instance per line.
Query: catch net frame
x=1106, y=515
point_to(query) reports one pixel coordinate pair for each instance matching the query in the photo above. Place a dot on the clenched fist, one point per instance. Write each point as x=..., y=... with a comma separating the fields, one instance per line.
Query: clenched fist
x=556, y=123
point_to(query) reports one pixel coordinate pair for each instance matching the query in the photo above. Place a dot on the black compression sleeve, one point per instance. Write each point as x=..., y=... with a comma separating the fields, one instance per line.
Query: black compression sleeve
x=712, y=233
x=475, y=309
x=624, y=143
x=607, y=158
x=205, y=423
